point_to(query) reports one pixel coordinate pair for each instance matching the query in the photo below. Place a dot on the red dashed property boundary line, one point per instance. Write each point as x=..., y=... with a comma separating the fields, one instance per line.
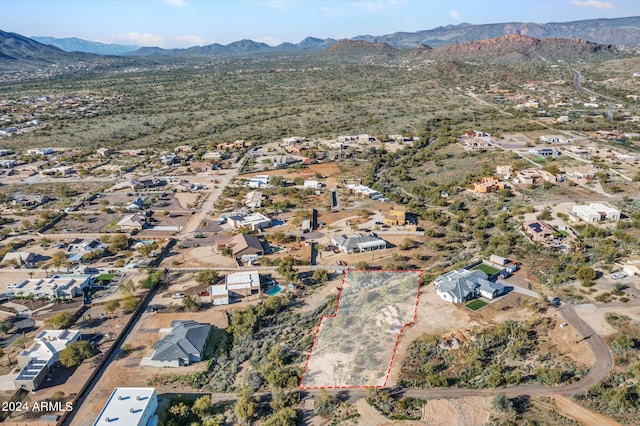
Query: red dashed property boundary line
x=395, y=348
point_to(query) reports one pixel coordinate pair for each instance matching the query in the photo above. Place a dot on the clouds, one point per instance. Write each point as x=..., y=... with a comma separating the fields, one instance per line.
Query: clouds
x=140, y=39
x=592, y=3
x=455, y=15
x=157, y=40
x=271, y=41
x=176, y=3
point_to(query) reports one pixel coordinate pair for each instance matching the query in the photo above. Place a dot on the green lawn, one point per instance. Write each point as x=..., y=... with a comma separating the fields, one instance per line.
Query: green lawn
x=487, y=269
x=474, y=305
x=105, y=277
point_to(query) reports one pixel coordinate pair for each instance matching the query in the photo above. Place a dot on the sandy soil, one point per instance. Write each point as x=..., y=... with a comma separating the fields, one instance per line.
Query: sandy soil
x=564, y=340
x=595, y=316
x=581, y=414
x=457, y=412
x=186, y=198
x=435, y=316
x=205, y=256
x=330, y=170
x=320, y=295
x=370, y=321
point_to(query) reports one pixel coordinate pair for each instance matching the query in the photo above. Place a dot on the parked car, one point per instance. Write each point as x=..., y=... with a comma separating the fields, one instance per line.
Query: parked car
x=177, y=296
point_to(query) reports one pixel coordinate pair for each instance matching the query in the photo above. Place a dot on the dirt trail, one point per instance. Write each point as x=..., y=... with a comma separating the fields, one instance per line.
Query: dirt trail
x=369, y=415
x=581, y=414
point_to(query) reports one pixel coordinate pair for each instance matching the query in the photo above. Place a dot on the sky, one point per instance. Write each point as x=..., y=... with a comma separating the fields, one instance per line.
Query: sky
x=184, y=23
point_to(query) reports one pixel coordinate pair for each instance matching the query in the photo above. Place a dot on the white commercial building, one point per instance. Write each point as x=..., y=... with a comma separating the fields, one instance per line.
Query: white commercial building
x=129, y=407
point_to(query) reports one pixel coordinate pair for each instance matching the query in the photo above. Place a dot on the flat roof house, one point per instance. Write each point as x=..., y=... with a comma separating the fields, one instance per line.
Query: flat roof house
x=183, y=346
x=129, y=407
x=253, y=221
x=596, y=213
x=38, y=359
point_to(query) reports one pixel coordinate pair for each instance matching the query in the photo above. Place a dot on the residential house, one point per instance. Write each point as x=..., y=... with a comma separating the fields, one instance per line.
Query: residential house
x=585, y=172
x=258, y=181
x=545, y=152
x=132, y=222
x=146, y=183
x=399, y=138
x=241, y=284
x=58, y=171
x=579, y=152
x=40, y=151
x=241, y=245
x=596, y=213
x=20, y=258
x=79, y=248
x=29, y=201
x=488, y=184
x=253, y=221
x=105, y=152
x=554, y=139
x=283, y=160
x=8, y=164
x=528, y=176
x=476, y=140
x=540, y=231
x=365, y=191
x=359, y=243
x=213, y=155
x=38, y=360
x=396, y=216
x=183, y=346
x=292, y=141
x=253, y=200
x=182, y=186
x=463, y=284
x=64, y=286
x=312, y=184
x=168, y=159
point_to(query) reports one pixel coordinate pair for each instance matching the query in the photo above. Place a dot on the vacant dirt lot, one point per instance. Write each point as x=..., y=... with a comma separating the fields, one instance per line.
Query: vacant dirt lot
x=356, y=346
x=470, y=411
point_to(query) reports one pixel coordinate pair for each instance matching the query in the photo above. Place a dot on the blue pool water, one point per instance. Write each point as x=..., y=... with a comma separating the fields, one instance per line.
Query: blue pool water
x=274, y=290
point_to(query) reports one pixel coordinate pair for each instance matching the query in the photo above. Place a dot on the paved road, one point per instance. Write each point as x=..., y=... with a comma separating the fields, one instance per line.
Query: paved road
x=601, y=367
x=576, y=83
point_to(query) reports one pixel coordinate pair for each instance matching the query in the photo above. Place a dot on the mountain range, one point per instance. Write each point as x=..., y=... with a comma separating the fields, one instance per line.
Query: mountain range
x=618, y=31
x=73, y=44
x=505, y=42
